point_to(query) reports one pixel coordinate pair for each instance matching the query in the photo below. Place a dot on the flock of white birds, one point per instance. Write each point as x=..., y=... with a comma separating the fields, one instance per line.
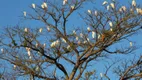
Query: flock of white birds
x=55, y=43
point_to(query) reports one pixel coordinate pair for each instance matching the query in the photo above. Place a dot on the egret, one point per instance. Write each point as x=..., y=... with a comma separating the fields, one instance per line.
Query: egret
x=74, y=32
x=110, y=24
x=29, y=52
x=64, y=2
x=93, y=34
x=45, y=5
x=72, y=7
x=112, y=5
x=104, y=3
x=111, y=29
x=81, y=35
x=26, y=29
x=88, y=39
x=123, y=8
x=42, y=6
x=25, y=13
x=14, y=66
x=89, y=11
x=96, y=13
x=48, y=29
x=2, y=50
x=108, y=7
x=40, y=30
x=77, y=38
x=131, y=44
x=33, y=5
x=101, y=74
x=88, y=28
x=134, y=3
x=99, y=36
x=44, y=45
x=64, y=40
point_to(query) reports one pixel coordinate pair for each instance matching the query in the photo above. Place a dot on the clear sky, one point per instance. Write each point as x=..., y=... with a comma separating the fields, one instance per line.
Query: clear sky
x=11, y=10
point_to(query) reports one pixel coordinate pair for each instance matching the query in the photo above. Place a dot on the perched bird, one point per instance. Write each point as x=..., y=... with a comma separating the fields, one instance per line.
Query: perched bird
x=131, y=44
x=89, y=11
x=44, y=5
x=101, y=74
x=33, y=5
x=40, y=30
x=108, y=7
x=88, y=29
x=26, y=29
x=74, y=32
x=25, y=13
x=65, y=2
x=93, y=34
x=112, y=5
x=104, y=3
x=48, y=29
x=81, y=35
x=96, y=13
x=14, y=66
x=134, y=3
x=72, y=7
x=110, y=24
x=64, y=40
x=2, y=50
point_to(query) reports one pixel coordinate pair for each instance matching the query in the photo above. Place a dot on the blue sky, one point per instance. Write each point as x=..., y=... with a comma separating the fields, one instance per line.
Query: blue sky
x=11, y=10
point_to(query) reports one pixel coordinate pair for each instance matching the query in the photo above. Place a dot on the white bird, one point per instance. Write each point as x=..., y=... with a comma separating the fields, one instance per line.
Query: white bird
x=26, y=29
x=110, y=24
x=111, y=29
x=64, y=2
x=40, y=30
x=112, y=5
x=88, y=39
x=101, y=74
x=88, y=29
x=77, y=38
x=33, y=5
x=93, y=34
x=48, y=29
x=104, y=3
x=134, y=3
x=29, y=52
x=25, y=14
x=2, y=50
x=99, y=36
x=64, y=40
x=37, y=44
x=89, y=11
x=107, y=7
x=45, y=5
x=131, y=44
x=14, y=66
x=139, y=11
x=72, y=7
x=81, y=35
x=44, y=45
x=42, y=6
x=74, y=32
x=123, y=8
x=96, y=13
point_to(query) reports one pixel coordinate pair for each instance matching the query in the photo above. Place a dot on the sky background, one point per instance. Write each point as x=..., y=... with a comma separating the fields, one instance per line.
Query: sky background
x=12, y=10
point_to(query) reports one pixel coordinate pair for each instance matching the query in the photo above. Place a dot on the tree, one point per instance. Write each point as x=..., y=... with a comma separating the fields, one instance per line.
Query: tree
x=57, y=51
